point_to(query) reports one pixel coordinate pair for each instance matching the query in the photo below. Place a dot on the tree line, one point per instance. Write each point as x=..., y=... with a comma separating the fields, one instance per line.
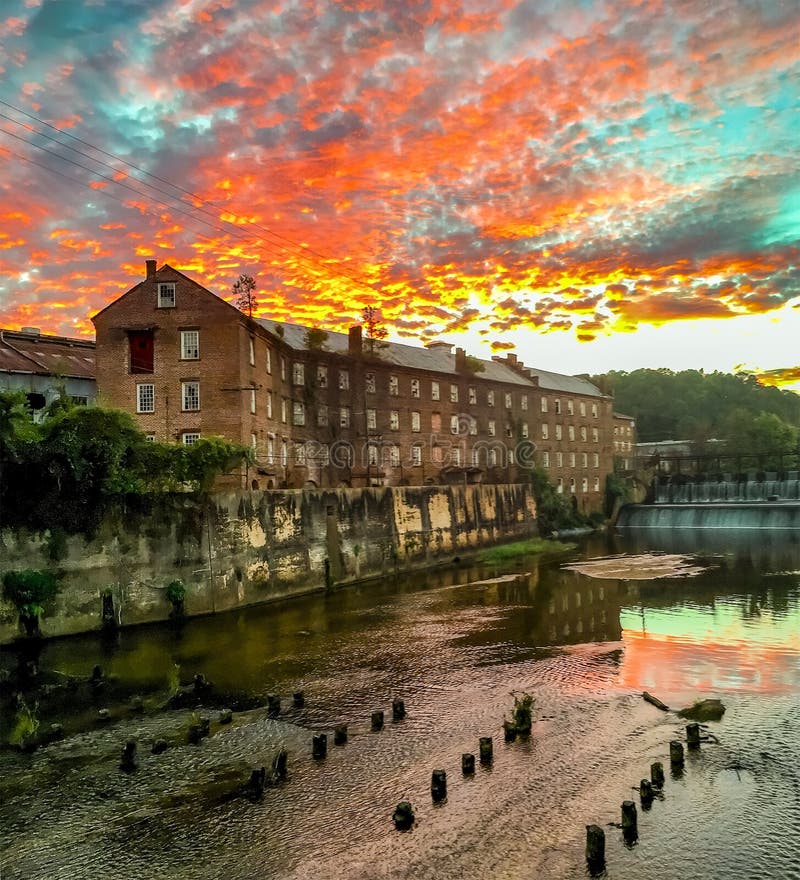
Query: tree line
x=697, y=406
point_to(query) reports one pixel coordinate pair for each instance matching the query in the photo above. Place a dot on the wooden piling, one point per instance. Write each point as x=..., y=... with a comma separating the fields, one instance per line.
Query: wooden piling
x=438, y=786
x=468, y=764
x=340, y=734
x=128, y=759
x=486, y=750
x=630, y=829
x=403, y=816
x=319, y=745
x=693, y=735
x=279, y=766
x=377, y=719
x=299, y=699
x=646, y=793
x=657, y=774
x=509, y=731
x=595, y=848
x=398, y=710
x=273, y=705
x=676, y=754
x=159, y=746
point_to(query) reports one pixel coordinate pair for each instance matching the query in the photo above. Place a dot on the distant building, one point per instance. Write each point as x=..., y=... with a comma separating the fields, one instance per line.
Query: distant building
x=336, y=409
x=625, y=446
x=43, y=367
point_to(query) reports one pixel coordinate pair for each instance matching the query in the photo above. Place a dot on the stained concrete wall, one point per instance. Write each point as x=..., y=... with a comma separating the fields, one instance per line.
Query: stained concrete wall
x=245, y=547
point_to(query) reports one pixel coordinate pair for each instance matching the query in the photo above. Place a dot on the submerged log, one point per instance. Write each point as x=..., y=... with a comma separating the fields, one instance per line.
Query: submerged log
x=655, y=701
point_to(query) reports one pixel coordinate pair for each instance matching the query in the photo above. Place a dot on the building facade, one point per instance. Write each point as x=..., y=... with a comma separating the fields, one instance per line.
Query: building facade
x=43, y=367
x=334, y=409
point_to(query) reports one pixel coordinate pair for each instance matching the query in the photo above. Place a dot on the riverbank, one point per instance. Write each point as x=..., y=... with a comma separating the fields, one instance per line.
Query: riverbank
x=246, y=548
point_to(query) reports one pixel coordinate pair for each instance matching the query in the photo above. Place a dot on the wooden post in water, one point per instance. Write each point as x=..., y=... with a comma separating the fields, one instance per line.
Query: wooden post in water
x=273, y=705
x=693, y=735
x=595, y=849
x=299, y=699
x=128, y=758
x=438, y=785
x=630, y=829
x=340, y=734
x=468, y=764
x=486, y=750
x=657, y=774
x=398, y=710
x=319, y=745
x=646, y=793
x=676, y=754
x=377, y=719
x=403, y=817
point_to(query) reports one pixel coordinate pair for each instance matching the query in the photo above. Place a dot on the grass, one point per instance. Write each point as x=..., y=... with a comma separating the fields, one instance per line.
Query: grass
x=517, y=549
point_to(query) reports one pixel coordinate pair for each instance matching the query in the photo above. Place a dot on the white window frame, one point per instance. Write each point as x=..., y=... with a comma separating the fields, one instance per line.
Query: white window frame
x=372, y=419
x=435, y=391
x=394, y=386
x=415, y=422
x=252, y=351
x=298, y=413
x=322, y=415
x=454, y=425
x=415, y=387
x=298, y=373
x=190, y=393
x=189, y=438
x=269, y=360
x=269, y=404
x=190, y=345
x=369, y=383
x=416, y=455
x=322, y=376
x=491, y=427
x=142, y=397
x=344, y=380
x=544, y=404
x=344, y=416
x=490, y=398
x=394, y=420
x=508, y=400
x=252, y=401
x=472, y=394
x=166, y=295
x=453, y=393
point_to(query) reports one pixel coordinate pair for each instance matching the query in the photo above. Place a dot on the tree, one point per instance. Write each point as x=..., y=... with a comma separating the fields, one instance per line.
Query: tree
x=374, y=331
x=16, y=430
x=27, y=591
x=244, y=291
x=315, y=339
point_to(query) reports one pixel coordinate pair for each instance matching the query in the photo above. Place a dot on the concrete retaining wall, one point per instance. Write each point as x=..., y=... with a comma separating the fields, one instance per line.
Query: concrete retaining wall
x=243, y=548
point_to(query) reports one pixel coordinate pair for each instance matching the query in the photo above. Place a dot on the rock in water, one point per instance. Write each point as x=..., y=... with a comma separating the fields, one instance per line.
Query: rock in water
x=704, y=710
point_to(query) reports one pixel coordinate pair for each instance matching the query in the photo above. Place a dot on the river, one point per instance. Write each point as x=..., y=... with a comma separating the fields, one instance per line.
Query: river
x=455, y=644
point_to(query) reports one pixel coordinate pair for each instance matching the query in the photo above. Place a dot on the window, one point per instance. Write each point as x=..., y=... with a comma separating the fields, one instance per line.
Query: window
x=189, y=438
x=491, y=457
x=372, y=419
x=269, y=404
x=344, y=416
x=491, y=427
x=523, y=402
x=509, y=430
x=472, y=394
x=434, y=391
x=559, y=431
x=166, y=295
x=455, y=456
x=284, y=410
x=344, y=380
x=322, y=415
x=254, y=442
x=436, y=454
x=595, y=436
x=271, y=450
x=570, y=408
x=508, y=400
x=595, y=460
x=415, y=387
x=572, y=485
x=544, y=404
x=584, y=460
x=140, y=348
x=79, y=400
x=572, y=459
x=190, y=396
x=299, y=453
x=298, y=373
x=545, y=431
x=394, y=420
x=190, y=345
x=283, y=368
x=596, y=484
x=436, y=423
x=145, y=398
x=269, y=361
x=476, y=456
x=583, y=408
x=394, y=456
x=524, y=429
x=322, y=376
x=415, y=422
x=372, y=455
x=546, y=459
x=369, y=383
x=557, y=406
x=560, y=485
x=298, y=413
x=594, y=410
x=583, y=432
x=454, y=394
x=571, y=432
x=559, y=459
x=150, y=438
x=490, y=398
x=585, y=484
x=454, y=426
x=252, y=400
x=473, y=426
x=284, y=453
x=394, y=386
x=416, y=455
x=252, y=351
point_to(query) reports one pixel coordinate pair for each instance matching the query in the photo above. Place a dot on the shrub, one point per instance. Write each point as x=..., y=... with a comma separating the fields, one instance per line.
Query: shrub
x=28, y=590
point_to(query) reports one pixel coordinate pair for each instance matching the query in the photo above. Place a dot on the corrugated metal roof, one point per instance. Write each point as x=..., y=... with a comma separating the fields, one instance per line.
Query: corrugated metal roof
x=46, y=355
x=437, y=360
x=566, y=384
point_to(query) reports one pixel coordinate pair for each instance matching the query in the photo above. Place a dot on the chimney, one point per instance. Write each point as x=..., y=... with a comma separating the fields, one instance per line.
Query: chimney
x=354, y=341
x=512, y=358
x=461, y=360
x=31, y=331
x=151, y=269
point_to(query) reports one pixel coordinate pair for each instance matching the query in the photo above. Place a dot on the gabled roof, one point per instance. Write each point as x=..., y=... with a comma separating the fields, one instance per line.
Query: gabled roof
x=436, y=360
x=565, y=384
x=42, y=355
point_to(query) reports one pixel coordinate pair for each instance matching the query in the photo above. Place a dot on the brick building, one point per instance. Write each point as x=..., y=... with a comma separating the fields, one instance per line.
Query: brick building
x=44, y=366
x=330, y=409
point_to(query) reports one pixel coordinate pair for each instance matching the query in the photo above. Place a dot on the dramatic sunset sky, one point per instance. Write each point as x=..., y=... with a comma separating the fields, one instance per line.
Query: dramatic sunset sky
x=598, y=185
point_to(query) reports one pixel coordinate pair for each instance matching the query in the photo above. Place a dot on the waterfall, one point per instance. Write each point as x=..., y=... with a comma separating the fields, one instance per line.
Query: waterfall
x=774, y=516
x=724, y=488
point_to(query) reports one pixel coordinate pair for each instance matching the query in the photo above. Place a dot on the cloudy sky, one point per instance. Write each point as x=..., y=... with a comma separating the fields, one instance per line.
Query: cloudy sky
x=599, y=185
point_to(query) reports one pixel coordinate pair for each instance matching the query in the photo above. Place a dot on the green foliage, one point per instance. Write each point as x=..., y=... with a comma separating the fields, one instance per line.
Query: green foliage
x=617, y=489
x=28, y=591
x=522, y=714
x=520, y=549
x=553, y=511
x=24, y=727
x=473, y=365
x=315, y=338
x=201, y=463
x=693, y=405
x=374, y=331
x=176, y=592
